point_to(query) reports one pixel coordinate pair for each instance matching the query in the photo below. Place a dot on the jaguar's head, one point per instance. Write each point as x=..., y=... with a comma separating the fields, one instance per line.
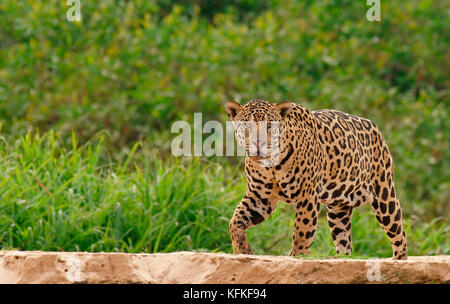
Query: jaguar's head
x=258, y=125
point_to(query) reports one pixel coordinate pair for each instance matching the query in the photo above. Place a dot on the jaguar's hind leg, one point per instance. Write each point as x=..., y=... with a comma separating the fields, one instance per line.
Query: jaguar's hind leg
x=386, y=207
x=340, y=223
x=389, y=214
x=339, y=215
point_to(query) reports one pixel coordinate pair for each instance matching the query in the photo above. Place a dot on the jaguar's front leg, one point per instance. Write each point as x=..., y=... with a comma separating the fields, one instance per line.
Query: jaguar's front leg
x=250, y=212
x=306, y=216
x=239, y=237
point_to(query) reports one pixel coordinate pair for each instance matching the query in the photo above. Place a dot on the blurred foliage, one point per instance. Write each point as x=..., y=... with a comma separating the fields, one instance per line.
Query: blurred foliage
x=134, y=67
x=241, y=9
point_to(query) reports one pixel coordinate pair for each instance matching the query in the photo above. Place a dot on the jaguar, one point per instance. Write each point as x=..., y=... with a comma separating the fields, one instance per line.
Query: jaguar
x=322, y=157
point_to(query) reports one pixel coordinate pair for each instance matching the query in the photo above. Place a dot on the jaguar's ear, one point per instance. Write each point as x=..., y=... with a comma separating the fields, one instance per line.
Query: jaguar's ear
x=284, y=108
x=232, y=108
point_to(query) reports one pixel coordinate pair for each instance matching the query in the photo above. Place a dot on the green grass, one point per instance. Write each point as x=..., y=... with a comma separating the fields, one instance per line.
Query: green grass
x=53, y=198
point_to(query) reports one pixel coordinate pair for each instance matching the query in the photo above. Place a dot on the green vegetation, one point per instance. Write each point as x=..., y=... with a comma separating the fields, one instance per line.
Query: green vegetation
x=130, y=69
x=53, y=198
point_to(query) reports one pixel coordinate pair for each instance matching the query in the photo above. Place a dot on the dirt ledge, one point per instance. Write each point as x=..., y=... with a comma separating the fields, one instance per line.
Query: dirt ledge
x=192, y=267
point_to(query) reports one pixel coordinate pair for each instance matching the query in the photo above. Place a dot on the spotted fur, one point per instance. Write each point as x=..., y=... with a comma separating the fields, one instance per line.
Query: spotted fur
x=327, y=157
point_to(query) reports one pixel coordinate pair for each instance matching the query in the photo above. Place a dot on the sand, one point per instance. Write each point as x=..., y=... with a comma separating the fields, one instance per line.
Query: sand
x=193, y=267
